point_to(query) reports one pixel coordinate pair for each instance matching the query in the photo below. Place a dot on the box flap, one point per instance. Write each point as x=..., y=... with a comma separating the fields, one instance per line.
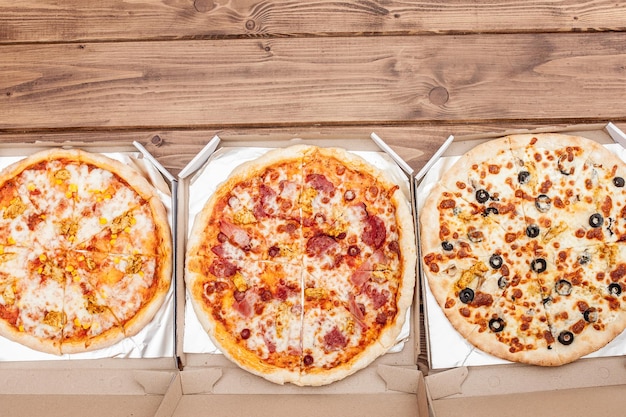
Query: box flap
x=446, y=383
x=154, y=382
x=400, y=379
x=200, y=380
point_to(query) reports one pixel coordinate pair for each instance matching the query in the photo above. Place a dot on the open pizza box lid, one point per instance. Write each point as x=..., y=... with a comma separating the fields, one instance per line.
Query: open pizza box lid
x=208, y=380
x=129, y=378
x=464, y=381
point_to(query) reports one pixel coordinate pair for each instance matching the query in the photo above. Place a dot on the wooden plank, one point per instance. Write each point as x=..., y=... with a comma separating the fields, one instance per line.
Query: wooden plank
x=416, y=144
x=278, y=82
x=83, y=20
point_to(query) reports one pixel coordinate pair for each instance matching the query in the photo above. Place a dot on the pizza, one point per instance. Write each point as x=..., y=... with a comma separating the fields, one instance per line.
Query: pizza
x=523, y=246
x=85, y=251
x=301, y=265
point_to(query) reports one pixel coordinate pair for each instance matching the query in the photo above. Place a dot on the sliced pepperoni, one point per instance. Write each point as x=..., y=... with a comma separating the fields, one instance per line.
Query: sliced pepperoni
x=374, y=232
x=221, y=268
x=320, y=245
x=320, y=183
x=335, y=340
x=266, y=204
x=379, y=298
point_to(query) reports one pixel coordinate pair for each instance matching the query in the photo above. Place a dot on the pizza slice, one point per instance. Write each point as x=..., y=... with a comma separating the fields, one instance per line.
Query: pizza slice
x=134, y=231
x=582, y=314
x=339, y=335
x=255, y=314
x=469, y=229
x=123, y=288
x=32, y=284
x=89, y=321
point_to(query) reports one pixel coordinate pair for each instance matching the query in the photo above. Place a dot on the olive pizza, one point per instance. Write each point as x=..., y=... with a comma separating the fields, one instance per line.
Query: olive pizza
x=524, y=247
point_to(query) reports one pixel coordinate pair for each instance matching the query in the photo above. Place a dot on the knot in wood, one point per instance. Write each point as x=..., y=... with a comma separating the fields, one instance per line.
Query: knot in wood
x=438, y=96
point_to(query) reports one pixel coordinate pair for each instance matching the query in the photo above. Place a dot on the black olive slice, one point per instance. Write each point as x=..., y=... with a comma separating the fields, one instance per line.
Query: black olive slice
x=503, y=282
x=447, y=246
x=523, y=177
x=584, y=258
x=482, y=195
x=539, y=265
x=532, y=230
x=543, y=203
x=565, y=166
x=546, y=300
x=466, y=295
x=563, y=287
x=591, y=315
x=619, y=182
x=490, y=210
x=496, y=325
x=496, y=261
x=615, y=289
x=596, y=220
x=566, y=337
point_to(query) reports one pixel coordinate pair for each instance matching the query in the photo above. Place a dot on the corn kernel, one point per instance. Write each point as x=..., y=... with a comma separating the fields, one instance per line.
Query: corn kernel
x=11, y=241
x=43, y=257
x=103, y=220
x=21, y=328
x=77, y=322
x=68, y=194
x=58, y=181
x=1, y=249
x=116, y=260
x=127, y=229
x=107, y=196
x=133, y=220
x=31, y=187
x=73, y=188
x=69, y=268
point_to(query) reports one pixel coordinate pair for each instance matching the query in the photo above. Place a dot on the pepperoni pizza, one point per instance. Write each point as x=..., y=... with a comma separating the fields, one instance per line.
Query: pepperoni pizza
x=301, y=266
x=524, y=247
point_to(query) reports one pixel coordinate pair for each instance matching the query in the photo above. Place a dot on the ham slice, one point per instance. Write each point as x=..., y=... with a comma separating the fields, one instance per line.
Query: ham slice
x=235, y=234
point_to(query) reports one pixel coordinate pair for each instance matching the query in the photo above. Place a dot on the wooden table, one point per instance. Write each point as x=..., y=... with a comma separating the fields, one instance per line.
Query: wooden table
x=173, y=73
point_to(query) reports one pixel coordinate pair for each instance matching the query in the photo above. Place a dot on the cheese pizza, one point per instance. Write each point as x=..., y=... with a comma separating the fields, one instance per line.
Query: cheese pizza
x=85, y=251
x=301, y=266
x=524, y=247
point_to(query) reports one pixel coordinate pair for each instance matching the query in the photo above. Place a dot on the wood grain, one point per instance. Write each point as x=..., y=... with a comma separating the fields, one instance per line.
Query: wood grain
x=415, y=144
x=277, y=82
x=82, y=21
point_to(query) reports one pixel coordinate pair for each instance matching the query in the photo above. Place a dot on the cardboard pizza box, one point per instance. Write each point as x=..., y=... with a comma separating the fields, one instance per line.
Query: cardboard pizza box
x=467, y=382
x=208, y=381
x=127, y=379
